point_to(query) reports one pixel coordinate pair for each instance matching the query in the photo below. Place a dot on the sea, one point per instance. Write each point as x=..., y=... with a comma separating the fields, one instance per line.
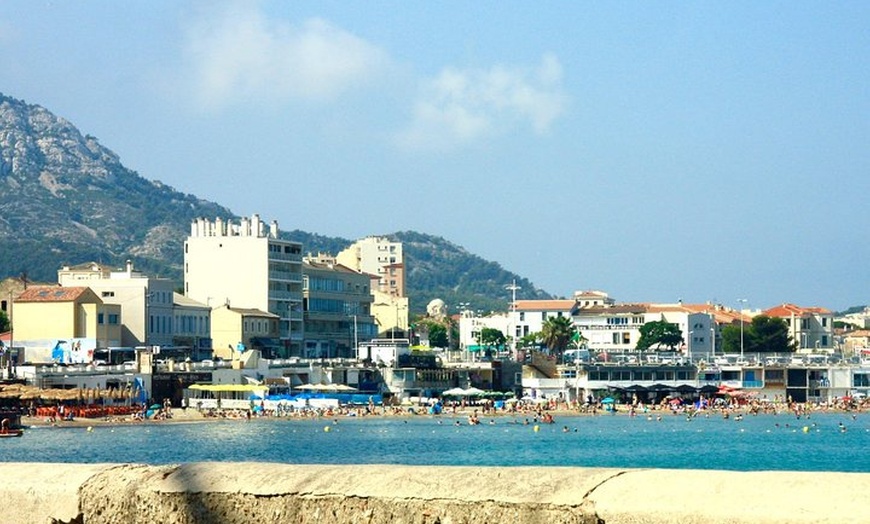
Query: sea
x=836, y=442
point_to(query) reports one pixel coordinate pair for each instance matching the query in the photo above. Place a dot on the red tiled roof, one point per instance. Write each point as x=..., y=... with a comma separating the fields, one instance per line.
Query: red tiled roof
x=788, y=310
x=544, y=305
x=51, y=294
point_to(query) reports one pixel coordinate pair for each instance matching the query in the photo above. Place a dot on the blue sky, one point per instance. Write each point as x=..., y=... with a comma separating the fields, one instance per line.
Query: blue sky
x=657, y=151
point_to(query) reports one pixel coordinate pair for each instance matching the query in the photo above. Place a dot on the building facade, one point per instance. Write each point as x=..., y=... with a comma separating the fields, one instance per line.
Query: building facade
x=811, y=328
x=191, y=324
x=236, y=330
x=64, y=324
x=146, y=302
x=337, y=304
x=246, y=265
x=528, y=316
x=384, y=261
x=616, y=328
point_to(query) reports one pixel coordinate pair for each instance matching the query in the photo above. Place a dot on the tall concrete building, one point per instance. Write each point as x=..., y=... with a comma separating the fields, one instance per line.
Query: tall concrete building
x=383, y=259
x=246, y=265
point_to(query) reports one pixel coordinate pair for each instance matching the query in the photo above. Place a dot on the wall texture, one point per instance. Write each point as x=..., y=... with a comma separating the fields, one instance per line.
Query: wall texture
x=265, y=493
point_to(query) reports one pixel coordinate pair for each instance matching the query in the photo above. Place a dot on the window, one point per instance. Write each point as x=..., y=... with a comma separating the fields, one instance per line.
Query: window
x=522, y=316
x=99, y=318
x=616, y=338
x=113, y=319
x=626, y=338
x=861, y=380
x=599, y=375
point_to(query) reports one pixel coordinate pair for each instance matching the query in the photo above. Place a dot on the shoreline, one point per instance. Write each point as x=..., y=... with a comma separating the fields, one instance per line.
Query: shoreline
x=192, y=416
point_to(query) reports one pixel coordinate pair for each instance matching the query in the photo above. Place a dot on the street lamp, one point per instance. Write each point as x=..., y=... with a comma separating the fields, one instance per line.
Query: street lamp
x=742, y=301
x=713, y=340
x=513, y=288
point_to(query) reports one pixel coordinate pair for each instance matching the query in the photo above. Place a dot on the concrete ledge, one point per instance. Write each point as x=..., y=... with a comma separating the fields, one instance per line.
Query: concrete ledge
x=260, y=493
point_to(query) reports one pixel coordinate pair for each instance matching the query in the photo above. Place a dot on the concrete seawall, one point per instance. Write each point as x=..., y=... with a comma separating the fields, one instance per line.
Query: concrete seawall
x=261, y=493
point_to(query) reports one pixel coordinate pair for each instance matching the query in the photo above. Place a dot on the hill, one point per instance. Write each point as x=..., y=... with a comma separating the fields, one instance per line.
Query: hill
x=66, y=199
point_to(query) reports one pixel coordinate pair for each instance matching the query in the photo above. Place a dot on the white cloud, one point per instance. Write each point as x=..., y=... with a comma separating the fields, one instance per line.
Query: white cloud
x=461, y=106
x=239, y=54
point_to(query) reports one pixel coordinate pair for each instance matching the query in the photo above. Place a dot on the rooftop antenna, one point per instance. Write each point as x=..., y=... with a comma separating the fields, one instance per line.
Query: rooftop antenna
x=513, y=288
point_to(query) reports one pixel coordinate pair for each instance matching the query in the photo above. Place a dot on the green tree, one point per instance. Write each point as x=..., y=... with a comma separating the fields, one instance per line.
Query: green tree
x=491, y=337
x=556, y=333
x=659, y=333
x=438, y=336
x=532, y=340
x=763, y=335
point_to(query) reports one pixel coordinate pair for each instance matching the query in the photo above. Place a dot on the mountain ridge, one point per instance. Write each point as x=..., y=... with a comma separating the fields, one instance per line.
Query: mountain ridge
x=67, y=199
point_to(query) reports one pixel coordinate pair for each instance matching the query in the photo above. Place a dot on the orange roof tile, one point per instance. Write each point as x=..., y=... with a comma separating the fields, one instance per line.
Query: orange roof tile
x=544, y=305
x=51, y=294
x=788, y=310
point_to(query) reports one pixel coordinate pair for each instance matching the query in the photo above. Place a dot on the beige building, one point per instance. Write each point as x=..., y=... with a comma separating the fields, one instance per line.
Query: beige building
x=338, y=308
x=146, y=302
x=247, y=266
x=384, y=260
x=811, y=328
x=236, y=330
x=64, y=324
x=191, y=324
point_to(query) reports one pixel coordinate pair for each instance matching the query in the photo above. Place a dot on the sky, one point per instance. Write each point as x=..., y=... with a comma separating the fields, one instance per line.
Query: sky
x=695, y=151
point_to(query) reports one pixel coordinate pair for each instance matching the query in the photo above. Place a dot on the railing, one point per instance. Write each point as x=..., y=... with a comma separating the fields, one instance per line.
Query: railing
x=289, y=257
x=285, y=275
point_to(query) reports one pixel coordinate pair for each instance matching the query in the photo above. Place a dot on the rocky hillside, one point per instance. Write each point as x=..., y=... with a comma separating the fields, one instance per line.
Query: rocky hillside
x=66, y=199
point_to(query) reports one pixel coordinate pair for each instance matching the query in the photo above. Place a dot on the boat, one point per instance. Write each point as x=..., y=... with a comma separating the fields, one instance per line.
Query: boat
x=9, y=433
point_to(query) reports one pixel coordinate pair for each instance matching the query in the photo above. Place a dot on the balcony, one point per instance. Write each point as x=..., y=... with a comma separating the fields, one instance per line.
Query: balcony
x=753, y=384
x=285, y=276
x=287, y=257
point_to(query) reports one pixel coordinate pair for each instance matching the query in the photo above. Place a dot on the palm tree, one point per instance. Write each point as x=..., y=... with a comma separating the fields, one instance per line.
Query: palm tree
x=556, y=333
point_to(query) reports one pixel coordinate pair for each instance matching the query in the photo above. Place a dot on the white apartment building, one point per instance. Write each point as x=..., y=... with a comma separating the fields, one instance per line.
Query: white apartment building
x=377, y=256
x=528, y=316
x=470, y=327
x=146, y=302
x=246, y=265
x=384, y=261
x=811, y=328
x=616, y=328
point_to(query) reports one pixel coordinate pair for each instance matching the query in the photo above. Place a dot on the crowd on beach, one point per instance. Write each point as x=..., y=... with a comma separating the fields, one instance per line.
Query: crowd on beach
x=524, y=411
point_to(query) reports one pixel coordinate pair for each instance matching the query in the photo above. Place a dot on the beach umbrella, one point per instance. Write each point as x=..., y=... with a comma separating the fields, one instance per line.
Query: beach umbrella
x=607, y=400
x=454, y=392
x=474, y=392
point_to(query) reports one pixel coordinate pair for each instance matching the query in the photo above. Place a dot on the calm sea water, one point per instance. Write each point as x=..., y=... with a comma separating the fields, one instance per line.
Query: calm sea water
x=763, y=442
